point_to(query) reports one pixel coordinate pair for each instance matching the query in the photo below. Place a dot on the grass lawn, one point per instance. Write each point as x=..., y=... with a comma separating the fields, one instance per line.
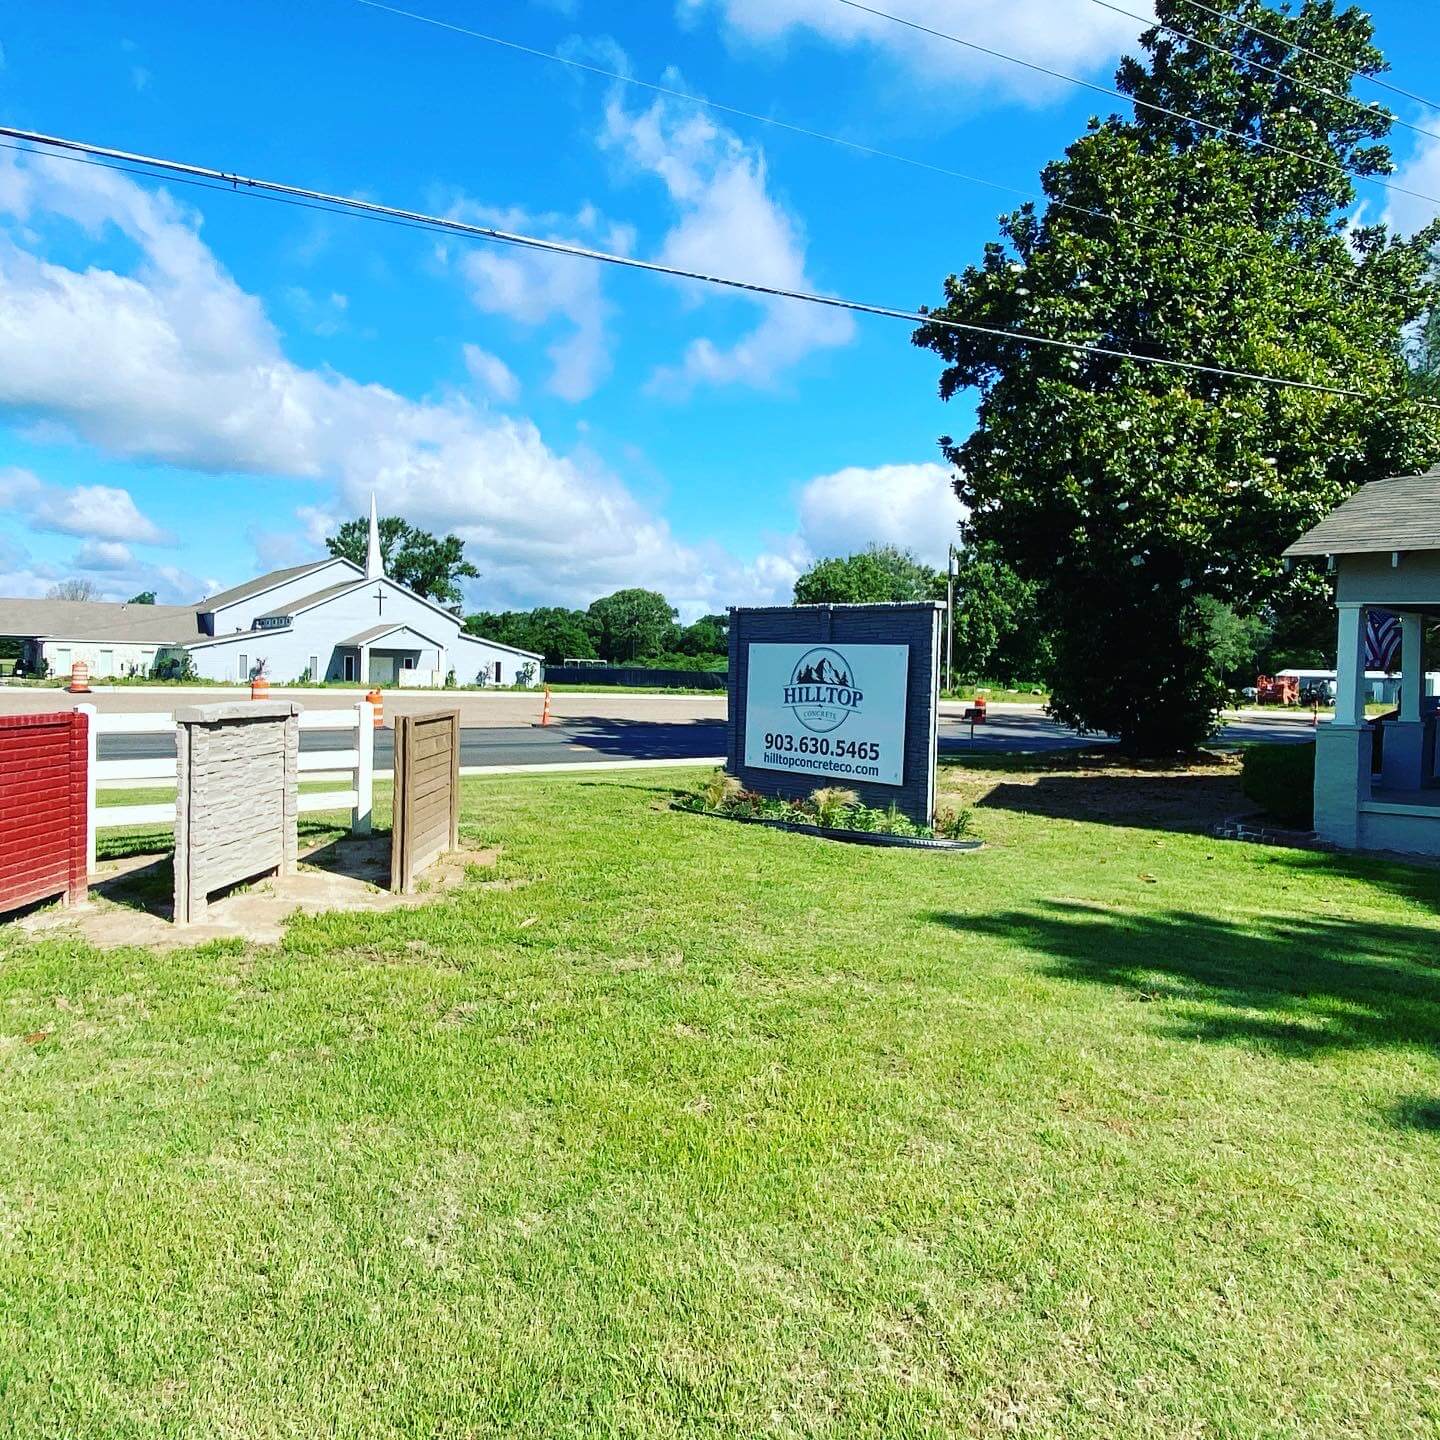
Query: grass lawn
x=676, y=1127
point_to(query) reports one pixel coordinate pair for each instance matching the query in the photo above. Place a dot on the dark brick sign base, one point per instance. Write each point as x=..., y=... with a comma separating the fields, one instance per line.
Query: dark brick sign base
x=914, y=625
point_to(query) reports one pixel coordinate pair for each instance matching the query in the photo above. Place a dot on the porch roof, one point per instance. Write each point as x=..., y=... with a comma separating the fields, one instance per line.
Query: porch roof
x=1401, y=513
x=381, y=632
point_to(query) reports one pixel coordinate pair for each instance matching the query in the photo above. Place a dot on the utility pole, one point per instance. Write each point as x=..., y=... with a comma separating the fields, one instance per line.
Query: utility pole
x=952, y=570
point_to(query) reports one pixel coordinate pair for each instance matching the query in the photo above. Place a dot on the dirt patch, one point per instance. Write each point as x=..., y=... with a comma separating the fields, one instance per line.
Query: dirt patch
x=131, y=901
x=1190, y=796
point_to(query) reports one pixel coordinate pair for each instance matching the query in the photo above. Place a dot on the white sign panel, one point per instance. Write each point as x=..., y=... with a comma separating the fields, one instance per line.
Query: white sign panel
x=837, y=711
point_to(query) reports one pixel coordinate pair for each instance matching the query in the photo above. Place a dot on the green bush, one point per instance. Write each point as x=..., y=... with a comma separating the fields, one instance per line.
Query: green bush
x=1280, y=779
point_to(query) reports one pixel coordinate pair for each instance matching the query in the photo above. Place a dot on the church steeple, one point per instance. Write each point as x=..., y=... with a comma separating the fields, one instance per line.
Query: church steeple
x=374, y=561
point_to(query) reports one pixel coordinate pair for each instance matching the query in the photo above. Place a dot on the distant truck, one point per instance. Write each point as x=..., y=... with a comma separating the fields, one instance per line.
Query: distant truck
x=1277, y=690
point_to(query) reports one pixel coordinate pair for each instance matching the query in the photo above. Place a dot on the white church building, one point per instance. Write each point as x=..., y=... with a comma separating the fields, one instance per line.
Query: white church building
x=329, y=620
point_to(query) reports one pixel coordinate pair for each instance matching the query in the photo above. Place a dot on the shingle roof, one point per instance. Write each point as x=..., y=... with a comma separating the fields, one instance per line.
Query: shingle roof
x=317, y=597
x=378, y=632
x=99, y=620
x=259, y=584
x=1401, y=513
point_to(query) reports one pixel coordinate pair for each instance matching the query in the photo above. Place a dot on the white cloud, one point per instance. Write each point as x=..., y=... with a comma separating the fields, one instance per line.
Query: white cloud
x=729, y=224
x=1421, y=173
x=175, y=362
x=98, y=511
x=492, y=375
x=1071, y=35
x=912, y=506
x=103, y=512
x=534, y=288
x=104, y=555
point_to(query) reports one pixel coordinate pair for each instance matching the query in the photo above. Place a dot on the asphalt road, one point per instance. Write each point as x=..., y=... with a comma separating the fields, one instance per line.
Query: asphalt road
x=591, y=740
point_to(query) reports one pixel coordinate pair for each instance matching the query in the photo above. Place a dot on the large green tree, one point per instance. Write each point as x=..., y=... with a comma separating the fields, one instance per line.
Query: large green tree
x=876, y=574
x=631, y=623
x=552, y=631
x=428, y=564
x=1127, y=491
x=1002, y=630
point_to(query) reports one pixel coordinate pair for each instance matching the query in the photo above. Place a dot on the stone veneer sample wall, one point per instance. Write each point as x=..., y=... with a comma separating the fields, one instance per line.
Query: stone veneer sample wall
x=236, y=799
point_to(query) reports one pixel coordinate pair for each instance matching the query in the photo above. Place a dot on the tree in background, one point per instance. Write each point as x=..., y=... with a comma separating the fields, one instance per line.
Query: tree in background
x=709, y=636
x=632, y=623
x=1126, y=492
x=877, y=574
x=1001, y=629
x=145, y=597
x=73, y=590
x=551, y=631
x=423, y=562
x=1425, y=358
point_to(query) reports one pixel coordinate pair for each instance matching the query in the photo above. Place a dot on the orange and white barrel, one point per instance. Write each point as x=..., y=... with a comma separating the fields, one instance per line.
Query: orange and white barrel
x=80, y=678
x=260, y=687
x=374, y=699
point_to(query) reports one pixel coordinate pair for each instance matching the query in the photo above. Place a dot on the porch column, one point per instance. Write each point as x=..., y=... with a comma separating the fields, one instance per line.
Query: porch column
x=1350, y=665
x=364, y=676
x=1412, y=664
x=1403, y=758
x=1343, y=748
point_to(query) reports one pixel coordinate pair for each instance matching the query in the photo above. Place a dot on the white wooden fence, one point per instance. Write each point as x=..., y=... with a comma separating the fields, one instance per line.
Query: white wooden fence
x=353, y=764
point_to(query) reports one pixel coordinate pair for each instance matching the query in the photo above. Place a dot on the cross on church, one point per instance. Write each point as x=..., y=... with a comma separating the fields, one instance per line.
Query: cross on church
x=379, y=600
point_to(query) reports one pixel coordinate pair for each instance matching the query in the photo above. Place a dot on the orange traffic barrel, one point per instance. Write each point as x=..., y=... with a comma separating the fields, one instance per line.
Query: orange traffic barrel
x=79, y=678
x=374, y=698
x=260, y=687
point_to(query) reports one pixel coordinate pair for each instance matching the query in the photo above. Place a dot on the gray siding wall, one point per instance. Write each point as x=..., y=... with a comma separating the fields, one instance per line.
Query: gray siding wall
x=1373, y=580
x=239, y=615
x=917, y=626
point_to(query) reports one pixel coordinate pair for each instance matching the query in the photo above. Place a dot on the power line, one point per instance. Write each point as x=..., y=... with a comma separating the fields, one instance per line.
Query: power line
x=1314, y=55
x=209, y=177
x=1240, y=135
x=1230, y=251
x=1373, y=108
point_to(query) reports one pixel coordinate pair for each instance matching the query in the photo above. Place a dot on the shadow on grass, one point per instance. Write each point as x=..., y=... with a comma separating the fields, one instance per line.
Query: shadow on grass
x=1189, y=802
x=152, y=887
x=1300, y=986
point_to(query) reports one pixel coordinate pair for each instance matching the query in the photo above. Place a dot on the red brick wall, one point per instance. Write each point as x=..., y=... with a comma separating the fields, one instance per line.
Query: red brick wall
x=42, y=807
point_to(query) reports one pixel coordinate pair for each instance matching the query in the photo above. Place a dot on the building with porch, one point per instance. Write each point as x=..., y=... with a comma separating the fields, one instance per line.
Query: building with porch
x=1375, y=780
x=329, y=620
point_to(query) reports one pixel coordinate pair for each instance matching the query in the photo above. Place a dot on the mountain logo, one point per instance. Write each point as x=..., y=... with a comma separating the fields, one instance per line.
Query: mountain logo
x=822, y=692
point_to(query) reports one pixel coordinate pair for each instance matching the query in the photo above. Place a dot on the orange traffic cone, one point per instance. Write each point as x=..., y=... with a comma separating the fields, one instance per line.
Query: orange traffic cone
x=545, y=708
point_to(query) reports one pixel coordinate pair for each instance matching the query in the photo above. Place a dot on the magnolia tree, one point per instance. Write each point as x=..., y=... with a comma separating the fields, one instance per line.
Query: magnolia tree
x=1148, y=504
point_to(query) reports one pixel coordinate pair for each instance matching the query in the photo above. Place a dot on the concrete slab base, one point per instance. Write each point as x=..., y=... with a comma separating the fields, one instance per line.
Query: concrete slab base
x=130, y=902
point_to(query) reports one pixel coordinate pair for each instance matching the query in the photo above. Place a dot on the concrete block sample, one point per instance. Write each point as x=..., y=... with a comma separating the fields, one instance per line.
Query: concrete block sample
x=236, y=799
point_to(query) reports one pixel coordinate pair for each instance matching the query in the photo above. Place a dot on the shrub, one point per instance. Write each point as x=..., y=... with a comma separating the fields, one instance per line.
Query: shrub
x=1280, y=779
x=833, y=804
x=174, y=667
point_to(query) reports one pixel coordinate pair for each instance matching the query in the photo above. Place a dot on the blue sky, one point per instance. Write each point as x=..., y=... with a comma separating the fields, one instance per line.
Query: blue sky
x=197, y=385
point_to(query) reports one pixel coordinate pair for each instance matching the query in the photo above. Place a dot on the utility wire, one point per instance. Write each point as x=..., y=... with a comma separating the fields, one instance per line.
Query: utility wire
x=1314, y=55
x=1373, y=108
x=371, y=209
x=1234, y=252
x=1240, y=135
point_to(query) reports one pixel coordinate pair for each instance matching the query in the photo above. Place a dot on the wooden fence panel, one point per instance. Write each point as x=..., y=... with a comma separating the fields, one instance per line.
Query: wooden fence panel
x=427, y=793
x=43, y=788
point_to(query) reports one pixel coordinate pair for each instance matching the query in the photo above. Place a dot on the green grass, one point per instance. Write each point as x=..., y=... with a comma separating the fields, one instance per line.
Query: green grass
x=689, y=1129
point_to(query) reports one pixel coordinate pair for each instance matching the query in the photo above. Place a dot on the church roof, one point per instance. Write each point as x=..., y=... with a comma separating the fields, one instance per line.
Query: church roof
x=261, y=583
x=99, y=620
x=1401, y=513
x=305, y=602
